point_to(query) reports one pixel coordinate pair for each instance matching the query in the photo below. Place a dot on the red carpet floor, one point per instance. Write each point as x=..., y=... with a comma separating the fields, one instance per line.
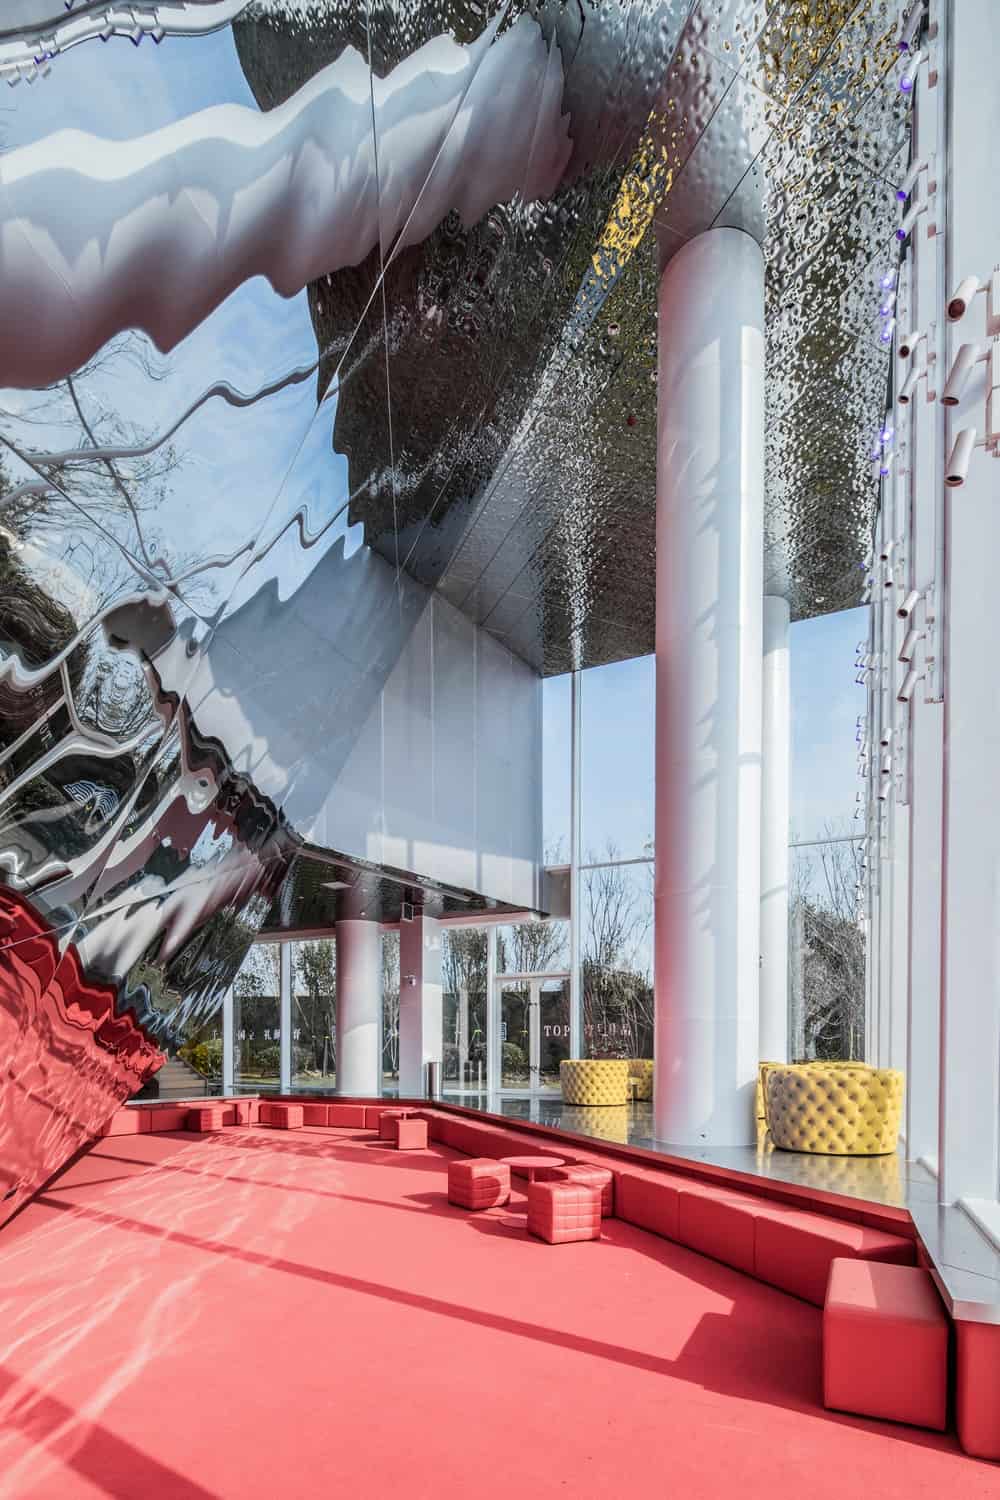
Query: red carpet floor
x=261, y=1313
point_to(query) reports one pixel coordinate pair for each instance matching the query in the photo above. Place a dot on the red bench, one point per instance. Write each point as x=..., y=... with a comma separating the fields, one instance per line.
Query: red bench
x=789, y=1247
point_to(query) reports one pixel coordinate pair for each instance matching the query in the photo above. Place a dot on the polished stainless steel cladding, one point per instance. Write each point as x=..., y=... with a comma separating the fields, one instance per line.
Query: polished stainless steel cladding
x=328, y=355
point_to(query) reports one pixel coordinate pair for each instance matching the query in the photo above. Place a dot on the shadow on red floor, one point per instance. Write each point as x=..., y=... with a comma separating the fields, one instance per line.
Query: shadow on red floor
x=257, y=1313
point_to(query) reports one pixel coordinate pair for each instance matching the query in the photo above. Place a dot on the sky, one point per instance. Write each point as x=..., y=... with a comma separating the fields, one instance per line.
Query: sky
x=618, y=743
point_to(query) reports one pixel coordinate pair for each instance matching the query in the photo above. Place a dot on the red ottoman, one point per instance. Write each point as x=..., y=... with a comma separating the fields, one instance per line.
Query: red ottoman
x=204, y=1117
x=411, y=1135
x=564, y=1211
x=595, y=1177
x=480, y=1183
x=246, y=1111
x=283, y=1116
x=387, y=1122
x=885, y=1343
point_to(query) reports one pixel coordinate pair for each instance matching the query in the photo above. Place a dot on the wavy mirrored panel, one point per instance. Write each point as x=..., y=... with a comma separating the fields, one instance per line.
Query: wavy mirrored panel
x=328, y=394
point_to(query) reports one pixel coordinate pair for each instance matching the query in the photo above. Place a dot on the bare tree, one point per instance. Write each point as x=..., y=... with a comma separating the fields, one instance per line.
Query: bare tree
x=617, y=987
x=828, y=953
x=390, y=1003
x=314, y=1004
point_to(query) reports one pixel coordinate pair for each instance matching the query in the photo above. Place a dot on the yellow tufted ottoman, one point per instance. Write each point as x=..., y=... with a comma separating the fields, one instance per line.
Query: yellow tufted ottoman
x=594, y=1081
x=641, y=1069
x=834, y=1109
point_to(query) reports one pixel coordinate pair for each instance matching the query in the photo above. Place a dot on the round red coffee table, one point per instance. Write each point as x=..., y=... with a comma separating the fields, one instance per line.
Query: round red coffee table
x=531, y=1164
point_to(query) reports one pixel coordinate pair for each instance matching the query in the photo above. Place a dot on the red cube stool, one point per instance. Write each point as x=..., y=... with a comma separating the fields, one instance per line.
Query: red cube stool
x=885, y=1343
x=411, y=1135
x=205, y=1117
x=564, y=1211
x=479, y=1183
x=595, y=1177
x=387, y=1122
x=286, y=1116
x=246, y=1111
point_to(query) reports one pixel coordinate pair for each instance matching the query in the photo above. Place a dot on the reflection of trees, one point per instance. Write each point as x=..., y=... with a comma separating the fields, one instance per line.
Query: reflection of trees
x=314, y=1005
x=390, y=1003
x=532, y=948
x=617, y=992
x=69, y=493
x=827, y=955
x=463, y=974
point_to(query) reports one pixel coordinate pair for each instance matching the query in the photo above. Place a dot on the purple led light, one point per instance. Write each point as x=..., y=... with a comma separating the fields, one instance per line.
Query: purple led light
x=901, y=195
x=888, y=280
x=901, y=233
x=887, y=434
x=906, y=83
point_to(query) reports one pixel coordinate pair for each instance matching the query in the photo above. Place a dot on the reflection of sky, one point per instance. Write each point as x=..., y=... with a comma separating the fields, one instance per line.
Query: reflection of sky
x=233, y=463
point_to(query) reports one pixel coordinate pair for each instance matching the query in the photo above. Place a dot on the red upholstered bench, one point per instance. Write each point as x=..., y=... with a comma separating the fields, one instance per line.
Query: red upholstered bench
x=411, y=1134
x=885, y=1343
x=205, y=1117
x=346, y=1114
x=795, y=1251
x=563, y=1211
x=169, y=1117
x=595, y=1177
x=479, y=1183
x=977, y=1388
x=126, y=1121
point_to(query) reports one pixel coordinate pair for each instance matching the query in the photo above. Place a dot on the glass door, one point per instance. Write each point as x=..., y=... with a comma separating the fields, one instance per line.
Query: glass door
x=515, y=1035
x=534, y=1031
x=552, y=1010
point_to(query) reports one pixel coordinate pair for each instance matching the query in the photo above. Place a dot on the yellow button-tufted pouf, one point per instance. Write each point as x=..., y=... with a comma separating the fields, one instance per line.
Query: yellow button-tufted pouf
x=594, y=1080
x=834, y=1109
x=641, y=1069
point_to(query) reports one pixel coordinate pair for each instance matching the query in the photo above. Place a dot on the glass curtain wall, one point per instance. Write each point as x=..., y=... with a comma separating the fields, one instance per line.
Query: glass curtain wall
x=390, y=1012
x=314, y=1015
x=826, y=950
x=464, y=964
x=257, y=1020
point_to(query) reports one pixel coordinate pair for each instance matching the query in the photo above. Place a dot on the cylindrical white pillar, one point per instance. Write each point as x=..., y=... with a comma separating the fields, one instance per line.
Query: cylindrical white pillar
x=709, y=590
x=359, y=1007
x=774, y=803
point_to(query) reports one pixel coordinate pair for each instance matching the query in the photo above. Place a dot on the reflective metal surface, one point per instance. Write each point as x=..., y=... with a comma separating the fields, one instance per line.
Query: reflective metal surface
x=301, y=318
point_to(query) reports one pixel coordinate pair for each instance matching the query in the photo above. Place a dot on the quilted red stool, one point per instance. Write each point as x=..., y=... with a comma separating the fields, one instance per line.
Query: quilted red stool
x=205, y=1117
x=479, y=1183
x=564, y=1211
x=411, y=1135
x=286, y=1116
x=387, y=1122
x=246, y=1111
x=885, y=1343
x=595, y=1177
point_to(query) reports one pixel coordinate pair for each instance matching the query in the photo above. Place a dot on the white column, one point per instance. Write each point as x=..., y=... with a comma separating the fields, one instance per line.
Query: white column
x=709, y=588
x=774, y=805
x=359, y=1007
x=285, y=1018
x=420, y=1018
x=575, y=909
x=228, y=1042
